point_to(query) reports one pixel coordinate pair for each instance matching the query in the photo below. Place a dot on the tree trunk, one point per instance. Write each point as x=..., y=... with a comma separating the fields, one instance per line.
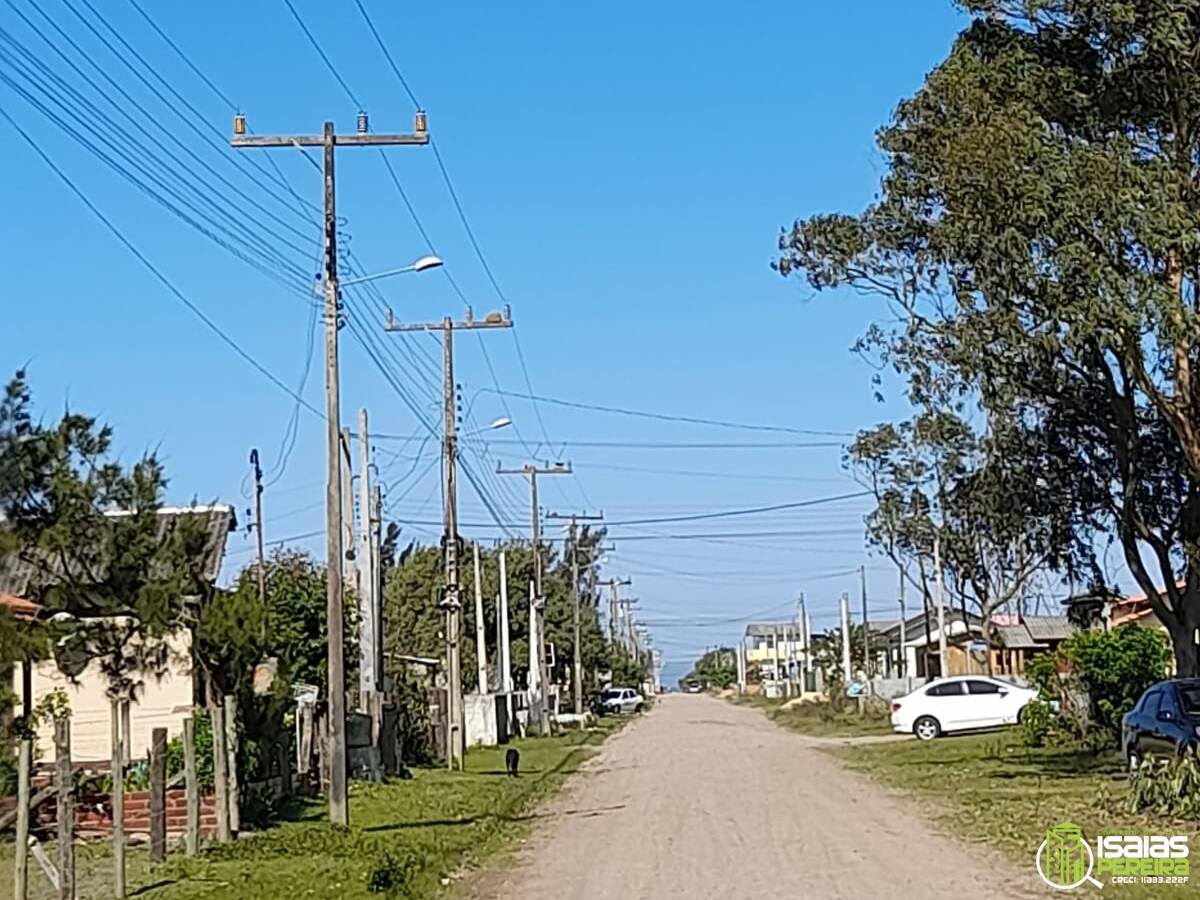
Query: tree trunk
x=1182, y=628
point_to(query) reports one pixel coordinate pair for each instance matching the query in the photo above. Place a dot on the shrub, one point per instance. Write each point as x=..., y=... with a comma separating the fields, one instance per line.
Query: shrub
x=392, y=875
x=1167, y=787
x=1037, y=723
x=1106, y=673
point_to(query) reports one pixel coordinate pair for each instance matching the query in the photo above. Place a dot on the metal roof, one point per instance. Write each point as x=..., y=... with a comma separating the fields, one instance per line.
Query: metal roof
x=24, y=575
x=1049, y=628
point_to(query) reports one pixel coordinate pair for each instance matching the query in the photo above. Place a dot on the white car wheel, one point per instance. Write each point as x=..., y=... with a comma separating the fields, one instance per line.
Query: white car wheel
x=927, y=728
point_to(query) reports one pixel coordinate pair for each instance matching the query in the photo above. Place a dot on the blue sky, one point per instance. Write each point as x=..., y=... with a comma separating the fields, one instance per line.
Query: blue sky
x=625, y=167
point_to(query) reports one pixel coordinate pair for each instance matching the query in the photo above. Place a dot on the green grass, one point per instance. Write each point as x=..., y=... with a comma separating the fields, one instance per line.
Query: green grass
x=423, y=829
x=992, y=790
x=822, y=719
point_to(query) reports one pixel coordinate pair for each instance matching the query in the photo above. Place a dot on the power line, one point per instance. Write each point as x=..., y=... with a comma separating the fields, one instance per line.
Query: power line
x=737, y=476
x=725, y=514
x=325, y=59
x=667, y=417
x=656, y=445
x=166, y=282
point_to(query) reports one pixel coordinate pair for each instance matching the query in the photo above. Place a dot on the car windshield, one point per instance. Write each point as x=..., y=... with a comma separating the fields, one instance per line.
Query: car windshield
x=1189, y=699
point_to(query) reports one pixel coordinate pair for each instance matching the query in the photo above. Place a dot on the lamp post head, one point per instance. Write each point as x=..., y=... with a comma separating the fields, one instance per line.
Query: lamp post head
x=427, y=262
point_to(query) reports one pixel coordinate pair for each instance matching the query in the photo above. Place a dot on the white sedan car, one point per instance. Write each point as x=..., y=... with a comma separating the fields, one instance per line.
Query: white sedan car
x=959, y=703
x=622, y=700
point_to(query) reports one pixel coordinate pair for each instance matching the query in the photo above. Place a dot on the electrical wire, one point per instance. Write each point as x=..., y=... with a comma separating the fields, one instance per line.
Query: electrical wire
x=154, y=270
x=749, y=511
x=666, y=417
x=321, y=53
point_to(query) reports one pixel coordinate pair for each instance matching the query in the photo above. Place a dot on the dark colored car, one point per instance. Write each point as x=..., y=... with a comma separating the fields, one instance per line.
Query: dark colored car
x=1164, y=722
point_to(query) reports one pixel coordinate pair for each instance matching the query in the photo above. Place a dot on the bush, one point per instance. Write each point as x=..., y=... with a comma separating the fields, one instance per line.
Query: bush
x=1168, y=788
x=1037, y=723
x=1106, y=673
x=392, y=875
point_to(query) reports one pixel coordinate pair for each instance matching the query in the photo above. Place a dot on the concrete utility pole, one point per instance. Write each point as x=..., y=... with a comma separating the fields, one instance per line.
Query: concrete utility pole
x=577, y=652
x=801, y=622
x=902, y=662
x=377, y=580
x=775, y=642
x=368, y=625
x=450, y=539
x=258, y=523
x=480, y=637
x=613, y=584
x=533, y=471
x=847, y=674
x=328, y=140
x=505, y=649
x=943, y=652
x=862, y=572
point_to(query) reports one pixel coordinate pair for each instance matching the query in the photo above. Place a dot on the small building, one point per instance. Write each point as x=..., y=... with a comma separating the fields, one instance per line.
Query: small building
x=763, y=639
x=1015, y=642
x=163, y=700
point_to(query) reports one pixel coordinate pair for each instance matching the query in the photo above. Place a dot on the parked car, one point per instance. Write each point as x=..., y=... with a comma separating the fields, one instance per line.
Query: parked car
x=623, y=700
x=959, y=703
x=1164, y=721
x=692, y=687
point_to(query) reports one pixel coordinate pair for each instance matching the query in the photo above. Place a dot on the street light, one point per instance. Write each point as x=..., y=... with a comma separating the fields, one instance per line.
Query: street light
x=502, y=422
x=421, y=265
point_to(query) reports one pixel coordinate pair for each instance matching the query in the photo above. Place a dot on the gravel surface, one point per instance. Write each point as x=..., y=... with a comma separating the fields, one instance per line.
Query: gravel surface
x=701, y=798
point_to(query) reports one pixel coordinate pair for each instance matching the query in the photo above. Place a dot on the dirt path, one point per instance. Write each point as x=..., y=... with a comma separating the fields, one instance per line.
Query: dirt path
x=704, y=799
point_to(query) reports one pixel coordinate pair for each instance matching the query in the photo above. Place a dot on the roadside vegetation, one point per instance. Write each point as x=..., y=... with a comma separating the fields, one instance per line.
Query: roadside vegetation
x=405, y=837
x=834, y=717
x=994, y=790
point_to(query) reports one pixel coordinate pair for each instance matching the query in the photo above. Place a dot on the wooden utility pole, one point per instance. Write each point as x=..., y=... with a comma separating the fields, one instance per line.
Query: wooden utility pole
x=577, y=654
x=158, y=795
x=117, y=775
x=451, y=602
x=539, y=600
x=258, y=526
x=368, y=626
x=21, y=846
x=65, y=784
x=328, y=140
x=481, y=678
x=191, y=780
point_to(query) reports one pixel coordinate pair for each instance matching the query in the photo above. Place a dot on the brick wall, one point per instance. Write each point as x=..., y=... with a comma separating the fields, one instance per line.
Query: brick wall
x=93, y=812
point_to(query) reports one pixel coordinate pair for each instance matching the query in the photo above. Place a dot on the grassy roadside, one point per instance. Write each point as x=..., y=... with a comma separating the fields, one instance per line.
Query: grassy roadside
x=411, y=834
x=990, y=789
x=820, y=719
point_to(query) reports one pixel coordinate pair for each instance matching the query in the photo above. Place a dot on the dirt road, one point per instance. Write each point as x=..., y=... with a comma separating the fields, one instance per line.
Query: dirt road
x=704, y=799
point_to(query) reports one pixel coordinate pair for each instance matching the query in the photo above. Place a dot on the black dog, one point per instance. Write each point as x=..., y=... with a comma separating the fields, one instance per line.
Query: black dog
x=512, y=761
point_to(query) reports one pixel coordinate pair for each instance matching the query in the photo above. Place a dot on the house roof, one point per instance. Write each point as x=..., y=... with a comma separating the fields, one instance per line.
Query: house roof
x=1016, y=637
x=1034, y=632
x=22, y=575
x=765, y=629
x=1049, y=628
x=892, y=627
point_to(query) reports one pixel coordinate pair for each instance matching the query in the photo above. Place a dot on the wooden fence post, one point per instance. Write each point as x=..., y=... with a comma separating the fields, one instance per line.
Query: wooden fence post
x=158, y=795
x=231, y=751
x=191, y=836
x=66, y=808
x=21, y=848
x=216, y=713
x=117, y=769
